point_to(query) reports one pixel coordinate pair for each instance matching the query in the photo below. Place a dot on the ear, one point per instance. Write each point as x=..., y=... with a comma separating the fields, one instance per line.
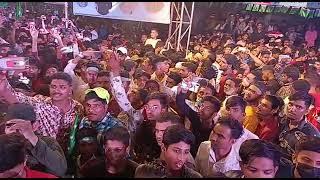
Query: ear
x=276, y=168
x=233, y=141
x=294, y=158
x=35, y=126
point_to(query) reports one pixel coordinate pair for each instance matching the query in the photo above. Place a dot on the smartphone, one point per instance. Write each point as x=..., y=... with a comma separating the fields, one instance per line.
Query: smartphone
x=68, y=49
x=242, y=49
x=194, y=86
x=16, y=63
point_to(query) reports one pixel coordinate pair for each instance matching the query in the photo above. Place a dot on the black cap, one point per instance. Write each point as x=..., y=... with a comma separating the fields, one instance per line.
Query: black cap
x=21, y=111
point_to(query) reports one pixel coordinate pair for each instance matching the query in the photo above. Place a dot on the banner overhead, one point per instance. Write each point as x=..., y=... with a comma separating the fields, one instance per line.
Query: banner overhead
x=156, y=12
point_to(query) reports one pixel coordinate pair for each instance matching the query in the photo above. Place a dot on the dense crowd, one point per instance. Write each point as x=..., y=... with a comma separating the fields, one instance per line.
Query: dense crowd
x=107, y=101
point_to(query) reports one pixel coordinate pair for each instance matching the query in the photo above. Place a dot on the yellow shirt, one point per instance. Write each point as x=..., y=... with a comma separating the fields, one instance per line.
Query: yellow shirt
x=251, y=120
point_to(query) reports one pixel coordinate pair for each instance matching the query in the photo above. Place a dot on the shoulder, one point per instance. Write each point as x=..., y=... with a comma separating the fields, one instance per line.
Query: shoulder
x=310, y=129
x=132, y=163
x=190, y=173
x=151, y=170
x=234, y=174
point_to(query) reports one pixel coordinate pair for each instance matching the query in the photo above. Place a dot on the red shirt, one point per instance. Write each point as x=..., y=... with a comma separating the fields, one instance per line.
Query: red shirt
x=268, y=130
x=313, y=117
x=37, y=174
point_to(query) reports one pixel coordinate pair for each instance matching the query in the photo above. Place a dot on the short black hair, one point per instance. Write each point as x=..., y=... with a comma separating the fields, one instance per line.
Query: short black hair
x=128, y=65
x=276, y=51
x=254, y=148
x=301, y=85
x=204, y=83
x=236, y=101
x=93, y=95
x=63, y=76
x=177, y=133
x=176, y=77
x=302, y=96
x=275, y=101
x=12, y=150
x=104, y=73
x=191, y=67
x=308, y=143
x=118, y=133
x=162, y=97
x=21, y=111
x=86, y=132
x=292, y=72
x=214, y=101
x=265, y=52
x=234, y=125
x=169, y=117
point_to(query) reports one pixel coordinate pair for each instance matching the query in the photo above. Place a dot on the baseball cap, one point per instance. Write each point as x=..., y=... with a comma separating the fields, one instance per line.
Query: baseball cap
x=123, y=50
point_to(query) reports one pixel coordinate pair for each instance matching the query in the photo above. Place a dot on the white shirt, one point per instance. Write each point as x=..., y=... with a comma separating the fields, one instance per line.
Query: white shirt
x=228, y=163
x=245, y=136
x=153, y=42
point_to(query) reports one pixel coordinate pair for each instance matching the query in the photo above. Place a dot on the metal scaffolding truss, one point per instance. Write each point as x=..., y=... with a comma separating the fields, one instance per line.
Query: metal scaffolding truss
x=181, y=14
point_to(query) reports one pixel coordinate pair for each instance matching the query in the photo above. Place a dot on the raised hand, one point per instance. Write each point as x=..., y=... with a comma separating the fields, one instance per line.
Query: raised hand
x=34, y=33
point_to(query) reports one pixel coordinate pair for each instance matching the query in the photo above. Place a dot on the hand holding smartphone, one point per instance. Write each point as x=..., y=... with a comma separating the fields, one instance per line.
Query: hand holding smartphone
x=16, y=63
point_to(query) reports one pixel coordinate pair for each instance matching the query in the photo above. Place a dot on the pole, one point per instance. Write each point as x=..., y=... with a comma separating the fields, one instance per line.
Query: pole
x=190, y=26
x=66, y=13
x=180, y=27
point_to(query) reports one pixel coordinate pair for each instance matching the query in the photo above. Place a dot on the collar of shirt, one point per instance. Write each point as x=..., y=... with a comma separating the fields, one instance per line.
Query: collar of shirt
x=230, y=162
x=300, y=126
x=106, y=123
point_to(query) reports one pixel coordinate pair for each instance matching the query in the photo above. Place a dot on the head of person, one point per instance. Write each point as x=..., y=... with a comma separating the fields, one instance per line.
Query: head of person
x=228, y=62
x=254, y=91
x=301, y=85
x=154, y=33
x=51, y=69
x=116, y=145
x=205, y=89
x=4, y=49
x=130, y=66
x=177, y=142
x=235, y=106
x=251, y=78
x=60, y=86
x=259, y=26
x=289, y=74
x=92, y=73
x=307, y=157
x=88, y=145
x=13, y=156
x=268, y=106
x=259, y=159
x=298, y=105
x=161, y=65
x=20, y=111
x=187, y=69
x=209, y=108
x=267, y=73
x=141, y=77
x=34, y=68
x=173, y=79
x=125, y=79
x=96, y=103
x=156, y=103
x=265, y=56
x=225, y=133
x=165, y=120
x=152, y=86
x=144, y=37
x=103, y=80
x=275, y=53
x=123, y=53
x=231, y=86
x=159, y=46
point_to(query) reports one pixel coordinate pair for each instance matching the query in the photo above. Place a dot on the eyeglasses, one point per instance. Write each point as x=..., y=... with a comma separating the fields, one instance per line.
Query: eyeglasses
x=152, y=108
x=100, y=92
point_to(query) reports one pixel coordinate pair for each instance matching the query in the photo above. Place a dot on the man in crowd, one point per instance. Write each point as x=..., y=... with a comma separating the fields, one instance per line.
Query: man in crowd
x=218, y=154
x=177, y=142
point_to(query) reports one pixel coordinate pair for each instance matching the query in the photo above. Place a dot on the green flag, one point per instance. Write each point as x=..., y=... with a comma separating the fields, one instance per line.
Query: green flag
x=72, y=137
x=19, y=10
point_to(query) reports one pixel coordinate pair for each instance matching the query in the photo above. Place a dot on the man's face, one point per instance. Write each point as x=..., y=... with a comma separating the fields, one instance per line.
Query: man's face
x=159, y=130
x=176, y=155
x=227, y=50
x=183, y=71
x=144, y=38
x=317, y=65
x=95, y=110
x=307, y=160
x=264, y=108
x=259, y=26
x=88, y=149
x=115, y=152
x=230, y=88
x=206, y=111
x=284, y=79
x=286, y=43
x=4, y=51
x=91, y=76
x=141, y=81
x=152, y=87
x=163, y=67
x=33, y=71
x=60, y=90
x=236, y=113
x=252, y=93
x=266, y=75
x=265, y=58
x=296, y=110
x=220, y=137
x=203, y=91
x=246, y=81
x=51, y=71
x=223, y=64
x=154, y=109
x=259, y=167
x=170, y=83
x=103, y=81
x=154, y=34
